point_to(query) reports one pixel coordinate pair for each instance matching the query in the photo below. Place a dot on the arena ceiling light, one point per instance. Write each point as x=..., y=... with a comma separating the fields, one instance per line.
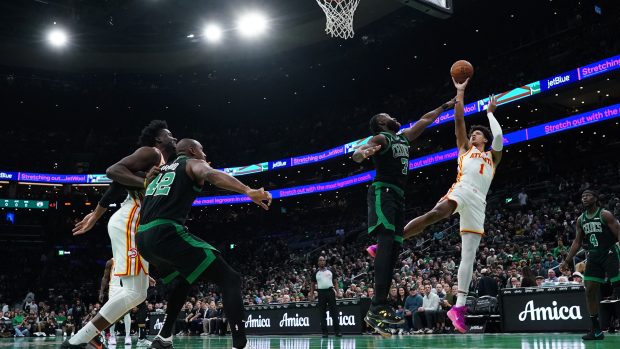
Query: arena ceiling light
x=252, y=24
x=57, y=37
x=213, y=33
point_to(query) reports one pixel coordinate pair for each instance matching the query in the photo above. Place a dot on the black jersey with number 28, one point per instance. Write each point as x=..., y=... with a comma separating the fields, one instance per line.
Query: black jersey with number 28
x=171, y=194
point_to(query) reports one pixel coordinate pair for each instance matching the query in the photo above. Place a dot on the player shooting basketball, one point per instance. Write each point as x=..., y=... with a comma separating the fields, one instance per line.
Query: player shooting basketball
x=467, y=196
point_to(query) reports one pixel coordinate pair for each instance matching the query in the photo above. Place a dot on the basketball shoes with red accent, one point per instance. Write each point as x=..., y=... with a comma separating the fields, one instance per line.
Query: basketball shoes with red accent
x=457, y=316
x=94, y=343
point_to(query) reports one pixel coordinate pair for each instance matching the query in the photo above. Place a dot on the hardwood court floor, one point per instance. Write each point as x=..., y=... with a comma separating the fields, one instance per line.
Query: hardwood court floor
x=472, y=341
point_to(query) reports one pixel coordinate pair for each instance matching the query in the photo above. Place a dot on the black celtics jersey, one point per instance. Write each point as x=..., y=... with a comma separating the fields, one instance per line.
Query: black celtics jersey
x=598, y=238
x=392, y=162
x=171, y=194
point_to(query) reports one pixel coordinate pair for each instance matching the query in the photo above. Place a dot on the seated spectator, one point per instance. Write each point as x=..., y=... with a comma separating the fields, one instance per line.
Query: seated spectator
x=426, y=316
x=577, y=278
x=413, y=302
x=551, y=278
x=539, y=281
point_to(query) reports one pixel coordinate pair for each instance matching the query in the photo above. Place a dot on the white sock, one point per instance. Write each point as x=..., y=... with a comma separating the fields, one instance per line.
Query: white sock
x=127, y=321
x=470, y=243
x=88, y=332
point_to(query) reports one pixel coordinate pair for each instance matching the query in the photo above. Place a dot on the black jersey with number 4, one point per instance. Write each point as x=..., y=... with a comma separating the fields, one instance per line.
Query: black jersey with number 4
x=598, y=238
x=392, y=161
x=171, y=194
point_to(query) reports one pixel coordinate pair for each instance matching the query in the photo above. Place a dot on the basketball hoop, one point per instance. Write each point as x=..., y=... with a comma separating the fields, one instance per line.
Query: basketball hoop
x=339, y=15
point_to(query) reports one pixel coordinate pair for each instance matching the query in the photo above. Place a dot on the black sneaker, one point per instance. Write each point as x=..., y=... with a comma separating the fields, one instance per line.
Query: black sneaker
x=95, y=343
x=338, y=334
x=594, y=335
x=379, y=326
x=385, y=314
x=612, y=299
x=160, y=343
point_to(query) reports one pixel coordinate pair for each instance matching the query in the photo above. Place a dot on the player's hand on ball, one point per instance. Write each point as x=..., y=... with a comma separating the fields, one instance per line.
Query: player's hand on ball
x=460, y=86
x=492, y=104
x=371, y=151
x=260, y=197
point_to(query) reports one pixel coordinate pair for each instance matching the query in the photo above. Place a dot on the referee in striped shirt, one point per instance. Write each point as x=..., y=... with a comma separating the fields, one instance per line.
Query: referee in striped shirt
x=327, y=287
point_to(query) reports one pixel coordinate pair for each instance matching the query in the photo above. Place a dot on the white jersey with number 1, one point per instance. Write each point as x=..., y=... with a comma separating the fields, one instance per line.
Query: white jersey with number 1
x=475, y=173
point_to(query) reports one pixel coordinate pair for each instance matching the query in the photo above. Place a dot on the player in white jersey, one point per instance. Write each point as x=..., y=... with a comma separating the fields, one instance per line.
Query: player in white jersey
x=157, y=144
x=467, y=196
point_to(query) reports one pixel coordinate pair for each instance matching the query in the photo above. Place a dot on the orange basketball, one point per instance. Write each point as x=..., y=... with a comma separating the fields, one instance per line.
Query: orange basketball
x=461, y=70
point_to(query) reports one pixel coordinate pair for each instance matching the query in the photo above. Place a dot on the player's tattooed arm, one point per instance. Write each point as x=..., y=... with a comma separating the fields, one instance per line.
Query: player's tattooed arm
x=497, y=143
x=200, y=171
x=374, y=145
x=416, y=130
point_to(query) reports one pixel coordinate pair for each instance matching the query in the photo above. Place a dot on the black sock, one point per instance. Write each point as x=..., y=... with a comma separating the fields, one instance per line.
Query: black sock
x=384, y=265
x=141, y=320
x=176, y=298
x=616, y=292
x=229, y=282
x=595, y=325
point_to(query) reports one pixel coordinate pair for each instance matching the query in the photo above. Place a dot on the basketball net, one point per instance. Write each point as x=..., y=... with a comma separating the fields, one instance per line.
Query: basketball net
x=339, y=15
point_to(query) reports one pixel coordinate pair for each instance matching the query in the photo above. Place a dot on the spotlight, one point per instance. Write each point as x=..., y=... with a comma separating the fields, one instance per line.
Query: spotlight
x=252, y=24
x=212, y=33
x=57, y=37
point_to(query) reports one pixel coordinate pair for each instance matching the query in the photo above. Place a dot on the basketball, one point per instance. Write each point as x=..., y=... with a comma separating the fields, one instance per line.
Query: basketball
x=461, y=70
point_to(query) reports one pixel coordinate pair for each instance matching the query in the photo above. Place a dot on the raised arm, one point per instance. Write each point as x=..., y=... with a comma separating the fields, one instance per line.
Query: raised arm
x=124, y=171
x=375, y=144
x=497, y=144
x=574, y=248
x=416, y=130
x=200, y=171
x=462, y=142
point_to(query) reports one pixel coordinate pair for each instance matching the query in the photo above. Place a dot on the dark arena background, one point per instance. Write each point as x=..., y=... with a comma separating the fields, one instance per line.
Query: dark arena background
x=280, y=94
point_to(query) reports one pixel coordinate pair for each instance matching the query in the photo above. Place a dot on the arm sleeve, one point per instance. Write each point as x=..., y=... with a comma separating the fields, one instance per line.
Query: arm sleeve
x=115, y=190
x=498, y=136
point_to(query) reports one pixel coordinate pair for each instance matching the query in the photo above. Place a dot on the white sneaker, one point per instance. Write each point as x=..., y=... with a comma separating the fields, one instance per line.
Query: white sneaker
x=127, y=340
x=204, y=334
x=400, y=332
x=429, y=331
x=143, y=343
x=112, y=340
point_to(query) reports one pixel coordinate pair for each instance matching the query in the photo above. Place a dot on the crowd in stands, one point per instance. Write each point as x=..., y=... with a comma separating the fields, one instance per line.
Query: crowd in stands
x=530, y=220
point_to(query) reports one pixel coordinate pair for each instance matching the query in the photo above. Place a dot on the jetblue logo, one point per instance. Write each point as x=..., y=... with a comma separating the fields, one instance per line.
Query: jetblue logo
x=279, y=164
x=558, y=80
x=5, y=175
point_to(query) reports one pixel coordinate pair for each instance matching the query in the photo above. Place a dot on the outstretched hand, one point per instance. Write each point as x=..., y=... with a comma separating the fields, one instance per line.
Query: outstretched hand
x=260, y=197
x=460, y=86
x=371, y=151
x=86, y=224
x=492, y=104
x=449, y=104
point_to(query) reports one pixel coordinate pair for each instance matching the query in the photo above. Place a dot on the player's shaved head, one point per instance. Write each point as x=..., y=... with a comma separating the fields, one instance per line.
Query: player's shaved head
x=185, y=144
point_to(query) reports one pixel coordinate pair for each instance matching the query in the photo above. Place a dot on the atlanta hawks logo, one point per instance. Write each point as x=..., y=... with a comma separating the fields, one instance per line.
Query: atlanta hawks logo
x=132, y=253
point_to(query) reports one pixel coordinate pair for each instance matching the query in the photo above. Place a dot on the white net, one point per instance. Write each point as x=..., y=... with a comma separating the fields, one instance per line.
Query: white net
x=339, y=15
